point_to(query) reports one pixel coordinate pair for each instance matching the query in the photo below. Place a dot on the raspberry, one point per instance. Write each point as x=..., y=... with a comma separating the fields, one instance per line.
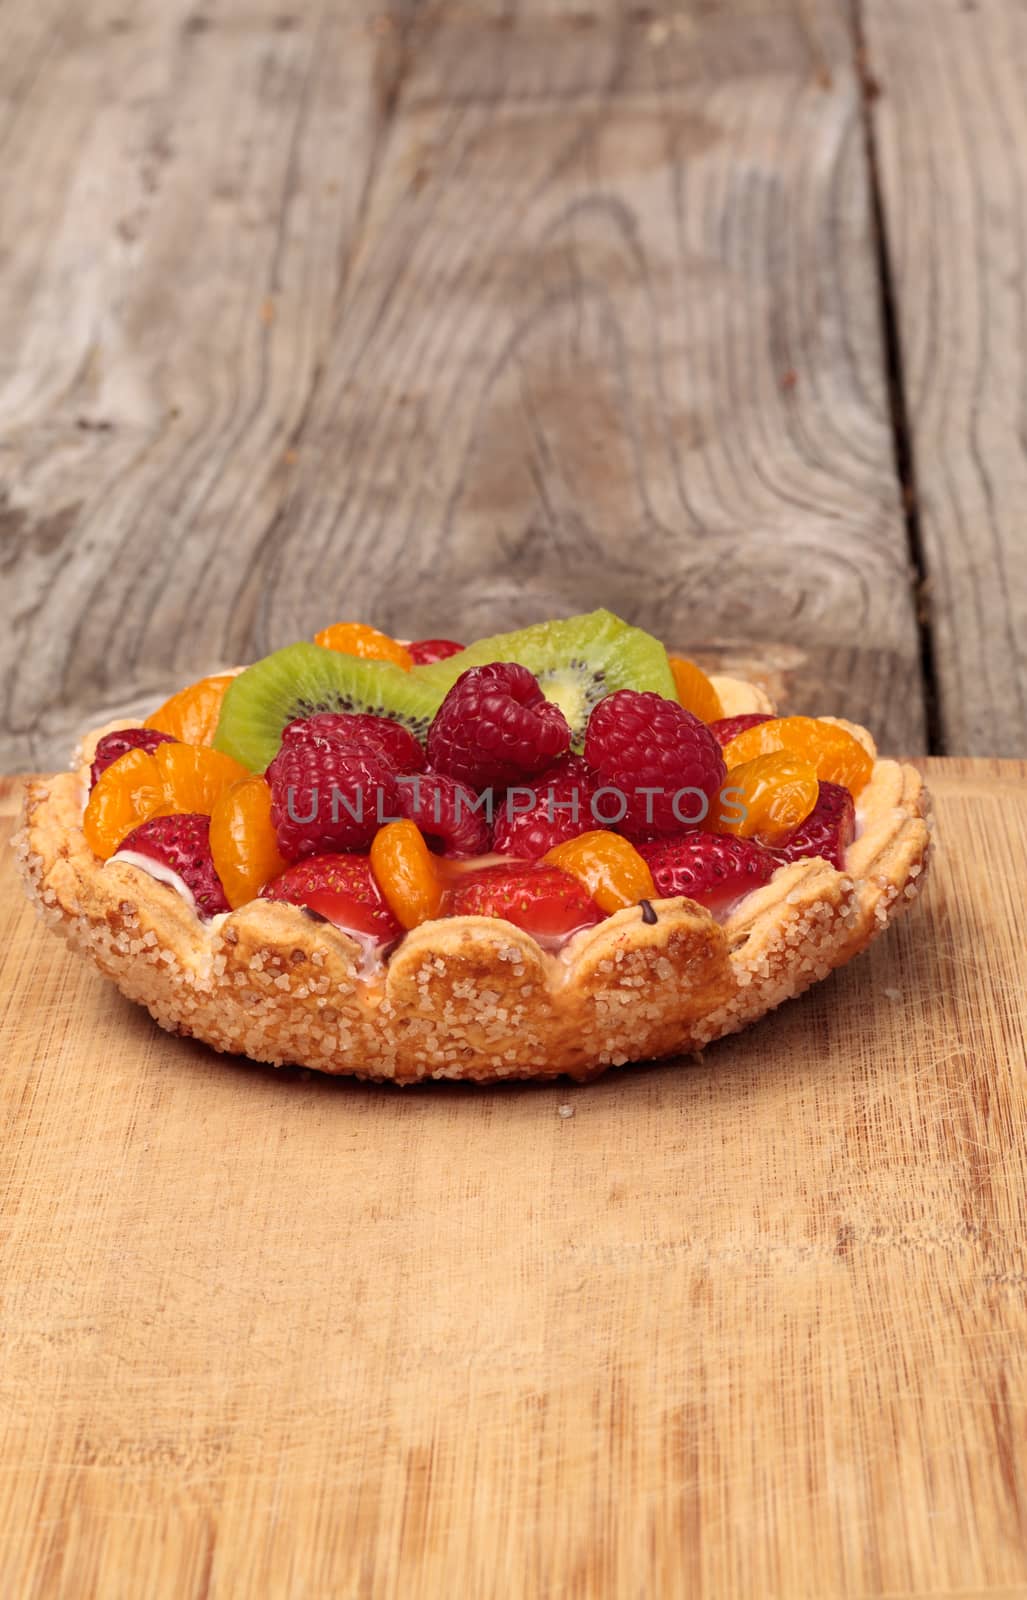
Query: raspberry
x=727, y=728
x=496, y=727
x=329, y=796
x=544, y=901
x=638, y=741
x=113, y=745
x=424, y=651
x=711, y=868
x=827, y=831
x=559, y=811
x=340, y=888
x=360, y=728
x=183, y=844
x=444, y=810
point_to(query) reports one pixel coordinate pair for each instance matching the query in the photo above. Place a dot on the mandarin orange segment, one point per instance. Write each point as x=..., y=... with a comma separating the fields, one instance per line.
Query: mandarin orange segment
x=608, y=866
x=243, y=842
x=695, y=691
x=127, y=793
x=766, y=797
x=194, y=779
x=192, y=714
x=359, y=639
x=837, y=755
x=406, y=873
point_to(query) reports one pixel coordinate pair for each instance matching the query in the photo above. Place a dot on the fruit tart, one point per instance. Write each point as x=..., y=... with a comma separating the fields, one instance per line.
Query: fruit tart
x=549, y=851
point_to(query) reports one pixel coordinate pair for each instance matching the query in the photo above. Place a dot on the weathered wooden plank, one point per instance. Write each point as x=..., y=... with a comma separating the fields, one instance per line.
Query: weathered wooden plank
x=951, y=134
x=178, y=189
x=748, y=1327
x=612, y=337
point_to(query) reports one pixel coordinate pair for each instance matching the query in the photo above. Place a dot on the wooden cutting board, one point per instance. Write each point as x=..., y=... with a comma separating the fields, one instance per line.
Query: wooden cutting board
x=753, y=1326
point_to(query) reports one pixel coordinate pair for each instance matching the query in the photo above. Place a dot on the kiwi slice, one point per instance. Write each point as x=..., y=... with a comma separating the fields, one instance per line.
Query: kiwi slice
x=304, y=678
x=577, y=661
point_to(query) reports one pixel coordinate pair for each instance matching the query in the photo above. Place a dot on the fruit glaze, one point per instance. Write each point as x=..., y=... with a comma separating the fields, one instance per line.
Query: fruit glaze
x=549, y=851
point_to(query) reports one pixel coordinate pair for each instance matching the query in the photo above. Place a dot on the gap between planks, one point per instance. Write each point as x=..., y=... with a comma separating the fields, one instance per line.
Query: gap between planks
x=902, y=428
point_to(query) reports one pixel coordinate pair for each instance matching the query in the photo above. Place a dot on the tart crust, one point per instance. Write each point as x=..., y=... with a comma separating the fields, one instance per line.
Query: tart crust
x=473, y=997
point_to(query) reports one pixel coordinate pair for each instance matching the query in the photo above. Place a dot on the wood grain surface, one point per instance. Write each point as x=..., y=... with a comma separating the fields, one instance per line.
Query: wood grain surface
x=577, y=364
x=450, y=320
x=752, y=1325
x=951, y=133
x=179, y=191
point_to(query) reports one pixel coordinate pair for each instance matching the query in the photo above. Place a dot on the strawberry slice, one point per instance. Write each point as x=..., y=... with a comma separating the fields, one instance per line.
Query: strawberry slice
x=180, y=845
x=343, y=890
x=543, y=901
x=827, y=831
x=727, y=728
x=425, y=651
x=713, y=869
